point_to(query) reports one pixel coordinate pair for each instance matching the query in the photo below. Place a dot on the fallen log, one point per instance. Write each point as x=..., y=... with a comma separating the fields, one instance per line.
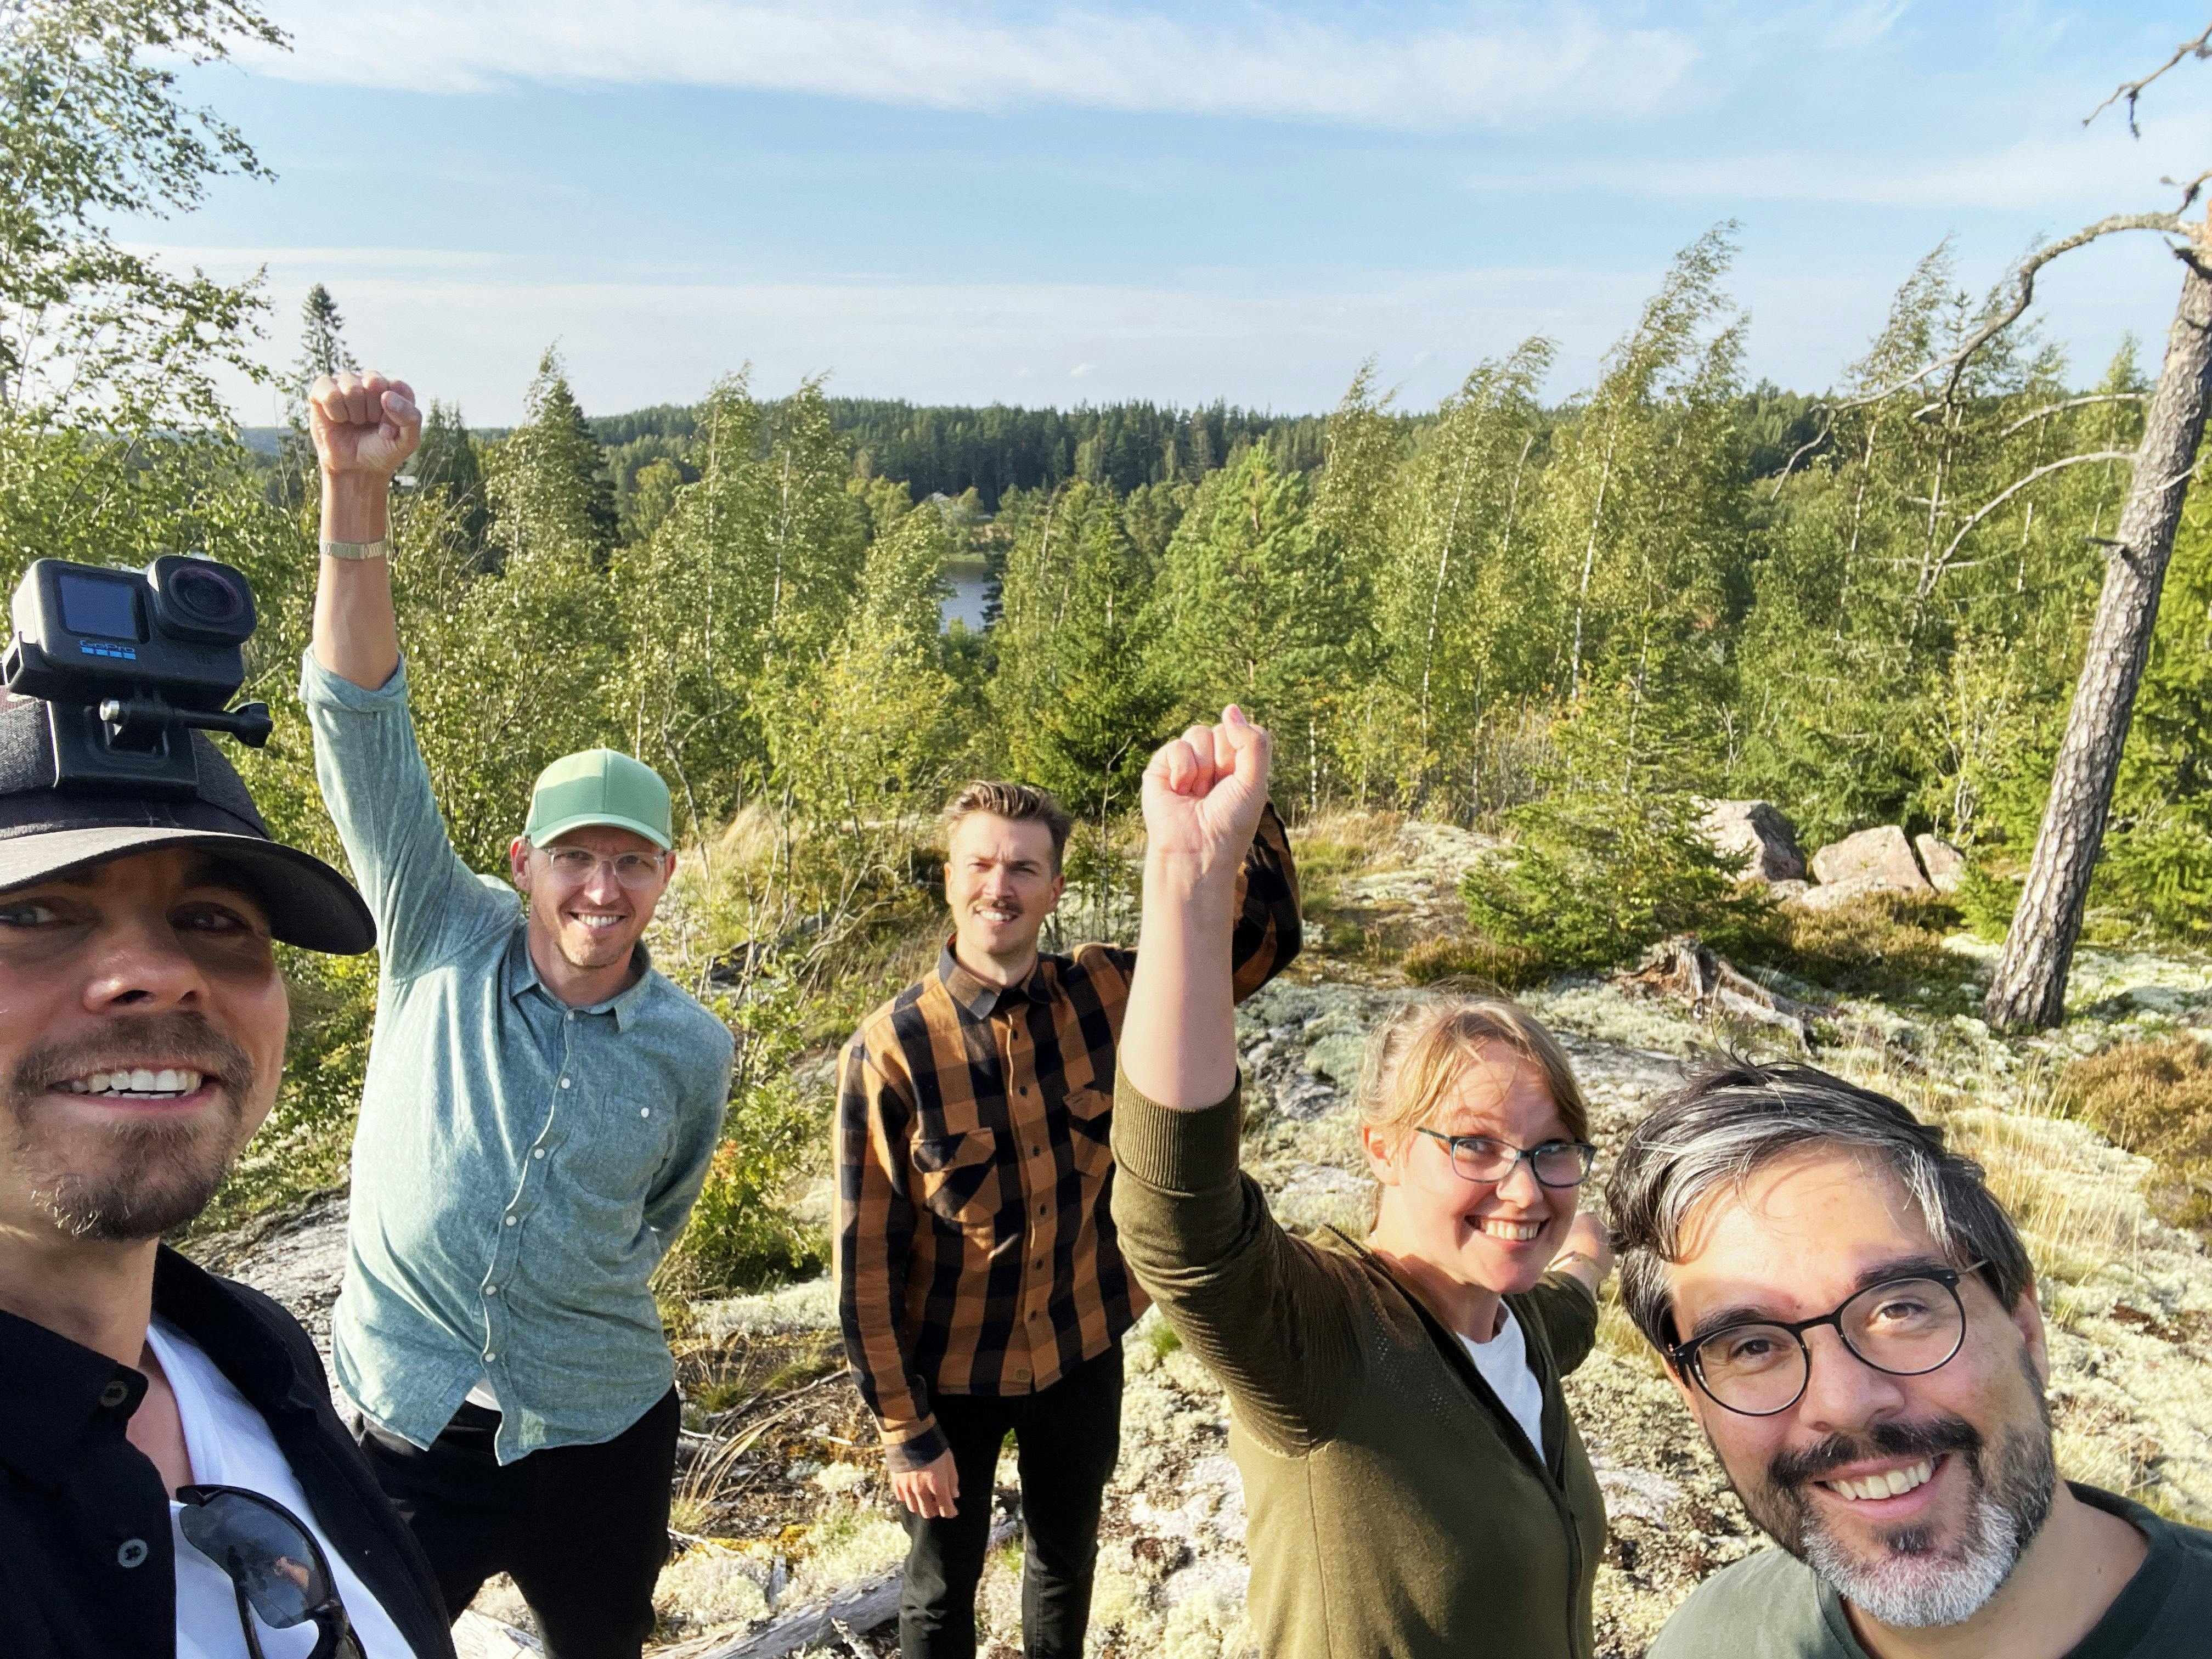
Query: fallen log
x=1688, y=969
x=860, y=1606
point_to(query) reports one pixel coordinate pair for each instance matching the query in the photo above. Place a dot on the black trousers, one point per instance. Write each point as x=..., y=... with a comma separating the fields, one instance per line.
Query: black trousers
x=583, y=1530
x=1068, y=1436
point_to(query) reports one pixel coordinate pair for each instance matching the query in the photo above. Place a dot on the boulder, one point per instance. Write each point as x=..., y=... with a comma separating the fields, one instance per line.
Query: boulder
x=1873, y=861
x=1758, y=830
x=1945, y=864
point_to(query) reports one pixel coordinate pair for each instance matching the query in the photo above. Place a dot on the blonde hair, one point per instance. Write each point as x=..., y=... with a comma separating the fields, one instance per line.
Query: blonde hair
x=1422, y=1050
x=1016, y=803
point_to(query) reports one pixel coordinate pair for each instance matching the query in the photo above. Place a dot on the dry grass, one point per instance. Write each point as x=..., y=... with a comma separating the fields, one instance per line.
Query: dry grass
x=1345, y=838
x=2154, y=1098
x=2078, y=1204
x=1882, y=945
x=1468, y=957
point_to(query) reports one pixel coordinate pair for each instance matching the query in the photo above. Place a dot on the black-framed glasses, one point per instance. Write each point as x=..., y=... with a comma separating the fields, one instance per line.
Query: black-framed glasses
x=1907, y=1326
x=634, y=871
x=1555, y=1163
x=275, y=1567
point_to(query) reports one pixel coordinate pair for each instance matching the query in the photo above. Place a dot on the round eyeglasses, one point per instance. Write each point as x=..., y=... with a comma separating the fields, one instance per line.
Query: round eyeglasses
x=275, y=1567
x=636, y=871
x=1555, y=1163
x=1907, y=1326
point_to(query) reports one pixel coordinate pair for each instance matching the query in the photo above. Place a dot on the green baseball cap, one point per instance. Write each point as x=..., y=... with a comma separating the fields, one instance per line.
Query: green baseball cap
x=599, y=787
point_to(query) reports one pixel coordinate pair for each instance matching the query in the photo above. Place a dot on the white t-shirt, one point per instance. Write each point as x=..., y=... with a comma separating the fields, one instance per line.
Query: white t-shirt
x=1504, y=1363
x=229, y=1445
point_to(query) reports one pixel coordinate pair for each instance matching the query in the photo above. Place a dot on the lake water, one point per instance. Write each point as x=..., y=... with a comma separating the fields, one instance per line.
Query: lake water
x=970, y=588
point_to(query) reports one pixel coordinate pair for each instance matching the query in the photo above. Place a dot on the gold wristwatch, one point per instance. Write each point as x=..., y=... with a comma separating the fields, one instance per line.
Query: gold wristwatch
x=376, y=549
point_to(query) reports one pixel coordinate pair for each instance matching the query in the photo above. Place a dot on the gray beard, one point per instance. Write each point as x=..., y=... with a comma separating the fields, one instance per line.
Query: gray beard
x=1912, y=1587
x=1909, y=1585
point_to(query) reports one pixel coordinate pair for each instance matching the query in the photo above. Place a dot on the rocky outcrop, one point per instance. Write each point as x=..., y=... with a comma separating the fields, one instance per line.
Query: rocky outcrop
x=1758, y=830
x=1874, y=857
x=1945, y=864
x=1878, y=860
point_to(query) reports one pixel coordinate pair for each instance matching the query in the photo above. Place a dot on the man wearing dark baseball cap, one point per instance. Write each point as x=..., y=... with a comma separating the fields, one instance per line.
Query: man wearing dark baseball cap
x=173, y=1478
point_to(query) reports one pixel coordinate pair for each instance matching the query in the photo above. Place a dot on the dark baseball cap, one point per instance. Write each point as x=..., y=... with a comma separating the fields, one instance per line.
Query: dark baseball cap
x=45, y=832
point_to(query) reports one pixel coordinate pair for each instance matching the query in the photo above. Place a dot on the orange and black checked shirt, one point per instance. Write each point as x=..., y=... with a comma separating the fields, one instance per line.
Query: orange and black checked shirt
x=975, y=1247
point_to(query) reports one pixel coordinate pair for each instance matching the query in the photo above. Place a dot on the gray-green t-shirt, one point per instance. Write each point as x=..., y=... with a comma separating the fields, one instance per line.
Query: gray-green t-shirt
x=1772, y=1606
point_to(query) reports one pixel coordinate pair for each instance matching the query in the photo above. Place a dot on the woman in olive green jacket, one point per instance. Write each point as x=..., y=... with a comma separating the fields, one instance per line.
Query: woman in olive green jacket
x=1413, y=1485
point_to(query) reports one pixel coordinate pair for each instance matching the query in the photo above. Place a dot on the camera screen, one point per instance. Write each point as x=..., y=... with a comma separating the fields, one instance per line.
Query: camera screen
x=105, y=610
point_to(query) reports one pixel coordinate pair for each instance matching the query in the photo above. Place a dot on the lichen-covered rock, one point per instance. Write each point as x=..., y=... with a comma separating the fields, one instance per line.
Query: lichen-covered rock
x=1758, y=831
x=1945, y=864
x=1870, y=861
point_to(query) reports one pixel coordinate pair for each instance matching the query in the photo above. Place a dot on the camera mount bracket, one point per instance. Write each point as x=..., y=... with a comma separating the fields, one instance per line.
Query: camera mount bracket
x=141, y=746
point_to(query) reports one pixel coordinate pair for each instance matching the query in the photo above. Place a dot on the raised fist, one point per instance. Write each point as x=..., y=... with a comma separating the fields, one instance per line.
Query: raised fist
x=363, y=423
x=1204, y=792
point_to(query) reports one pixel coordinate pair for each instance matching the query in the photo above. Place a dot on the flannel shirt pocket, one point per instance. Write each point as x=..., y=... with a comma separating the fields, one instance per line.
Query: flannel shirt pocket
x=1089, y=1130
x=959, y=1177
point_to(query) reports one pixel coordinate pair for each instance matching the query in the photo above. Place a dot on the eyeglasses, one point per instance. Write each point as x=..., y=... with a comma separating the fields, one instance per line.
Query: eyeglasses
x=1908, y=1326
x=635, y=870
x=277, y=1568
x=1555, y=1163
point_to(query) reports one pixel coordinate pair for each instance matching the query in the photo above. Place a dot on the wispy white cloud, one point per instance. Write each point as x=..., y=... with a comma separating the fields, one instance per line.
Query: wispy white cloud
x=473, y=336
x=2064, y=173
x=1446, y=69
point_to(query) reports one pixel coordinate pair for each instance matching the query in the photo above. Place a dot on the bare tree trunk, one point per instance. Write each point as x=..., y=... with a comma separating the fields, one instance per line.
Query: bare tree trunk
x=2029, y=988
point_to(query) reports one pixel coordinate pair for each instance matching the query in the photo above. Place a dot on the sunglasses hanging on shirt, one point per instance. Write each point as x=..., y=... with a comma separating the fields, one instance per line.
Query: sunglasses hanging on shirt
x=275, y=1565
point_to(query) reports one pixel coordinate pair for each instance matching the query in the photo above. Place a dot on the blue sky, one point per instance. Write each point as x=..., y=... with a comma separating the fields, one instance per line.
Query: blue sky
x=1055, y=203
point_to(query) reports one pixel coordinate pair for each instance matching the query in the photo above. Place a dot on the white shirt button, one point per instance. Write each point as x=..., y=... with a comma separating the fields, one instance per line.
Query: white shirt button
x=645, y=1111
x=510, y=1221
x=572, y=1014
x=491, y=1289
x=537, y=1151
x=488, y=1354
x=564, y=1083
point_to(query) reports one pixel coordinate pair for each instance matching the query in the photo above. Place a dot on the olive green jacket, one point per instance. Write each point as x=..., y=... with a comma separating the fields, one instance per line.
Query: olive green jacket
x=1395, y=1507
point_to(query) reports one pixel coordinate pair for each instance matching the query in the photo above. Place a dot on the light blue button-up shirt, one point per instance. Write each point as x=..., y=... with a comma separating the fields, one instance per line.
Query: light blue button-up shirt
x=519, y=1166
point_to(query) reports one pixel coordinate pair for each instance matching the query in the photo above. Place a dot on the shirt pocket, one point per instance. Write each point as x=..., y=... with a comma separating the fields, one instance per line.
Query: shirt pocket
x=1090, y=1132
x=959, y=1177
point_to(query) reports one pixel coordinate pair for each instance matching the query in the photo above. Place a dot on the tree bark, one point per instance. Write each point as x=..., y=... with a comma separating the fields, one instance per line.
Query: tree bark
x=2028, y=991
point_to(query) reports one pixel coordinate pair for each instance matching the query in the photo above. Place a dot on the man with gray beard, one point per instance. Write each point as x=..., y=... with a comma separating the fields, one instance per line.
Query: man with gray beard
x=174, y=1481
x=1851, y=1318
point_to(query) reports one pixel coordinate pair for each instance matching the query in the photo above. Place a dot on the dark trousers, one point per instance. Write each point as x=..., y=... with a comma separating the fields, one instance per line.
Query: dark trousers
x=583, y=1530
x=1068, y=1436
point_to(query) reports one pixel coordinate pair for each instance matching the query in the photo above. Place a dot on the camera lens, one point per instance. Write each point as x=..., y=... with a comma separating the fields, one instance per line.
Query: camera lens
x=202, y=601
x=206, y=595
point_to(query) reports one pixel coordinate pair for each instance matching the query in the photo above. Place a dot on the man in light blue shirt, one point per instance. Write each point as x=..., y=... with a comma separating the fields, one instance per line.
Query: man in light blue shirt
x=539, y=1115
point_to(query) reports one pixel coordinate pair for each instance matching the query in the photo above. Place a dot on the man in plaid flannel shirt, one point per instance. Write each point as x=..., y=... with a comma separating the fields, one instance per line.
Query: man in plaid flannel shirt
x=978, y=1282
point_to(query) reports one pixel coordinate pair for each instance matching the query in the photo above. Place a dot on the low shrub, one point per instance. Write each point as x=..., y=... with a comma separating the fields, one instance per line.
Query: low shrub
x=742, y=1235
x=1593, y=878
x=1886, y=945
x=2155, y=1099
x=1509, y=967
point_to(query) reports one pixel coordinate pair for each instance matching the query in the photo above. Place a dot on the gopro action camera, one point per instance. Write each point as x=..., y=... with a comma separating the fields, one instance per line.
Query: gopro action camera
x=129, y=662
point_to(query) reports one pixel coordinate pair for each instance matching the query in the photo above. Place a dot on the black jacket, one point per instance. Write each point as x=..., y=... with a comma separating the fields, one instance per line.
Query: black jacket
x=87, y=1570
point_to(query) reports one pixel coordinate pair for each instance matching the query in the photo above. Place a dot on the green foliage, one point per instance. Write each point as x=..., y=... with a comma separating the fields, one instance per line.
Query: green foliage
x=448, y=459
x=94, y=336
x=741, y=1235
x=1610, y=859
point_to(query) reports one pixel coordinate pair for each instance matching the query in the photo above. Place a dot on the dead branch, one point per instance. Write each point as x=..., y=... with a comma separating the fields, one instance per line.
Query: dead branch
x=2075, y=402
x=2132, y=90
x=1955, y=361
x=2016, y=487
x=2023, y=276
